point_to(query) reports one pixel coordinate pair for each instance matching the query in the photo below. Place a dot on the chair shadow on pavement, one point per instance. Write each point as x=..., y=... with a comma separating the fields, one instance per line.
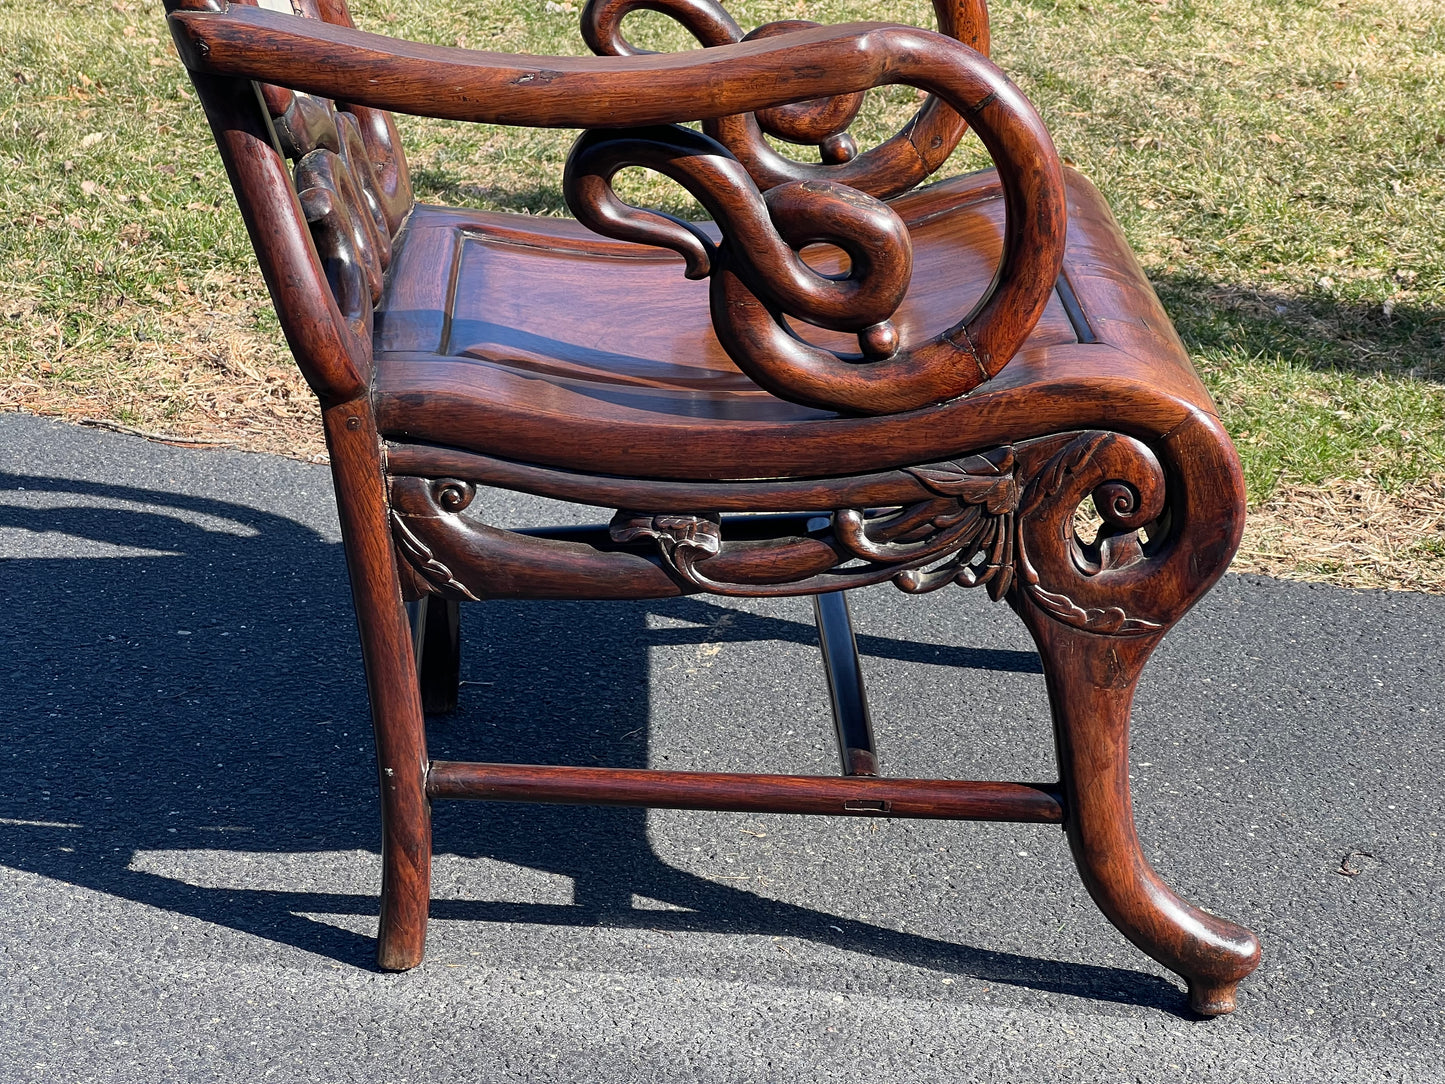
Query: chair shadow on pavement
x=201, y=690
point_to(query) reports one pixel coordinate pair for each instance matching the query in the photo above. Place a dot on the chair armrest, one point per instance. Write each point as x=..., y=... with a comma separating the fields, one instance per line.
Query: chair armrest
x=549, y=91
x=657, y=89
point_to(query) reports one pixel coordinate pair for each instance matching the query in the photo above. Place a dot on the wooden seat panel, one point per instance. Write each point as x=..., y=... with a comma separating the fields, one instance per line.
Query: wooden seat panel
x=534, y=336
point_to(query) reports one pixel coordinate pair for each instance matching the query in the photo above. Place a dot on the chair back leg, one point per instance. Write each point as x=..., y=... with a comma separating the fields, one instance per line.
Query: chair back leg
x=851, y=720
x=437, y=645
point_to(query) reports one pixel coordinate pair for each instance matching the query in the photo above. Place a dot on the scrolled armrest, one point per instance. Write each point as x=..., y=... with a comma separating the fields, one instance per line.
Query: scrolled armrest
x=623, y=92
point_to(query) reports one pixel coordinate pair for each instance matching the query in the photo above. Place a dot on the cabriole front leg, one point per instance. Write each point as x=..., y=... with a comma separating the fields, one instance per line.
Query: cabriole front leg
x=1097, y=610
x=1091, y=681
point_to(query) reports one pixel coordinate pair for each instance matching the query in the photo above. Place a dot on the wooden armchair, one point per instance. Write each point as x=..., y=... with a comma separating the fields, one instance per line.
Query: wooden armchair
x=919, y=387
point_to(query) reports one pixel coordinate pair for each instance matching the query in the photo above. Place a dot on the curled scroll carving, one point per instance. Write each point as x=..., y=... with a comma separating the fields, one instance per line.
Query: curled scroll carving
x=1127, y=485
x=986, y=528
x=750, y=307
x=758, y=278
x=452, y=496
x=886, y=170
x=763, y=233
x=819, y=122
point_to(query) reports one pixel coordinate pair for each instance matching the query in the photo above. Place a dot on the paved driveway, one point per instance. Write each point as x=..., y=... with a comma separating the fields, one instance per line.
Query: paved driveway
x=188, y=833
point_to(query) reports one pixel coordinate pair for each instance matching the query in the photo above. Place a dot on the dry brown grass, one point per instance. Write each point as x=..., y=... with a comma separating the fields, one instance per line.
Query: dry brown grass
x=1353, y=533
x=202, y=374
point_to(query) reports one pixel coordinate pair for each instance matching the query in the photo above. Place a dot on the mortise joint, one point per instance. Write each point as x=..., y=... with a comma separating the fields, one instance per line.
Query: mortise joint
x=857, y=805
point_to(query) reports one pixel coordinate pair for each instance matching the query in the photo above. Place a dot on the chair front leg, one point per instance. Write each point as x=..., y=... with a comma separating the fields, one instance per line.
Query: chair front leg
x=1097, y=609
x=1091, y=681
x=391, y=680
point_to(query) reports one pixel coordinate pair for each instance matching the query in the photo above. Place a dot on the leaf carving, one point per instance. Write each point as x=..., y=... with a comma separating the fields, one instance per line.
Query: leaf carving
x=421, y=558
x=672, y=533
x=986, y=479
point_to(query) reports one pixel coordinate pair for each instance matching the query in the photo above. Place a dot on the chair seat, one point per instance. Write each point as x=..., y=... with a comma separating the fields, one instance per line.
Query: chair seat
x=534, y=339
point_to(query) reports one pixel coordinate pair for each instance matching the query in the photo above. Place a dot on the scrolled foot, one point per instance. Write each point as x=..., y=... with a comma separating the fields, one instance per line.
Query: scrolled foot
x=1172, y=513
x=1212, y=998
x=1091, y=684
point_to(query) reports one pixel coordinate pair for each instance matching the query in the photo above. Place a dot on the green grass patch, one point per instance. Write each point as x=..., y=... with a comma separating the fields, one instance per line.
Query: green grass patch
x=1279, y=166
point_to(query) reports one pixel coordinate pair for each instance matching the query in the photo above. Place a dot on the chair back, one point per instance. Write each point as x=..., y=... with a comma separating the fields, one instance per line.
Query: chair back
x=324, y=189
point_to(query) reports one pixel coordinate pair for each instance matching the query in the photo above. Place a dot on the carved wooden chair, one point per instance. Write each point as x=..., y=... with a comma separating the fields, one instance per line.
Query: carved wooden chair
x=915, y=386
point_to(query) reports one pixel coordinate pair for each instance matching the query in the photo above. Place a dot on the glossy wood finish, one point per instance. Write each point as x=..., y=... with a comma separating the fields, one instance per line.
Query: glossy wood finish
x=391, y=682
x=852, y=721
x=923, y=391
x=1091, y=679
x=499, y=358
x=759, y=280
x=335, y=362
x=1091, y=687
x=650, y=90
x=577, y=92
x=855, y=796
x=311, y=285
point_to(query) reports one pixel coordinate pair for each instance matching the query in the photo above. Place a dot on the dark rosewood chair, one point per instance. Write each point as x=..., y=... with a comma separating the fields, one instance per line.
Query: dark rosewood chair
x=918, y=386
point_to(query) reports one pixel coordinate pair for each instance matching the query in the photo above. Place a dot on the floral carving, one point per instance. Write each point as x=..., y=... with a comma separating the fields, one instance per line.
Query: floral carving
x=986, y=487
x=678, y=537
x=964, y=533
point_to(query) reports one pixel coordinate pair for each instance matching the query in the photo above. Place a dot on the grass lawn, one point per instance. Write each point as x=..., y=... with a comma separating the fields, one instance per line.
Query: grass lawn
x=1279, y=166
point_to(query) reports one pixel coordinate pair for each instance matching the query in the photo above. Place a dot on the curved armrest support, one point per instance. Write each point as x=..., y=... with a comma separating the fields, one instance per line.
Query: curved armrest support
x=894, y=166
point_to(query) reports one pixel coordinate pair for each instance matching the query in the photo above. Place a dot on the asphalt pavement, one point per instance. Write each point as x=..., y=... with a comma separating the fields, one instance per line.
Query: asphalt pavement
x=188, y=828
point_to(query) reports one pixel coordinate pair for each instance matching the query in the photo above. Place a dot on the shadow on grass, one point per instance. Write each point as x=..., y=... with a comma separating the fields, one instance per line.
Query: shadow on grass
x=445, y=187
x=450, y=189
x=1312, y=330
x=205, y=693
